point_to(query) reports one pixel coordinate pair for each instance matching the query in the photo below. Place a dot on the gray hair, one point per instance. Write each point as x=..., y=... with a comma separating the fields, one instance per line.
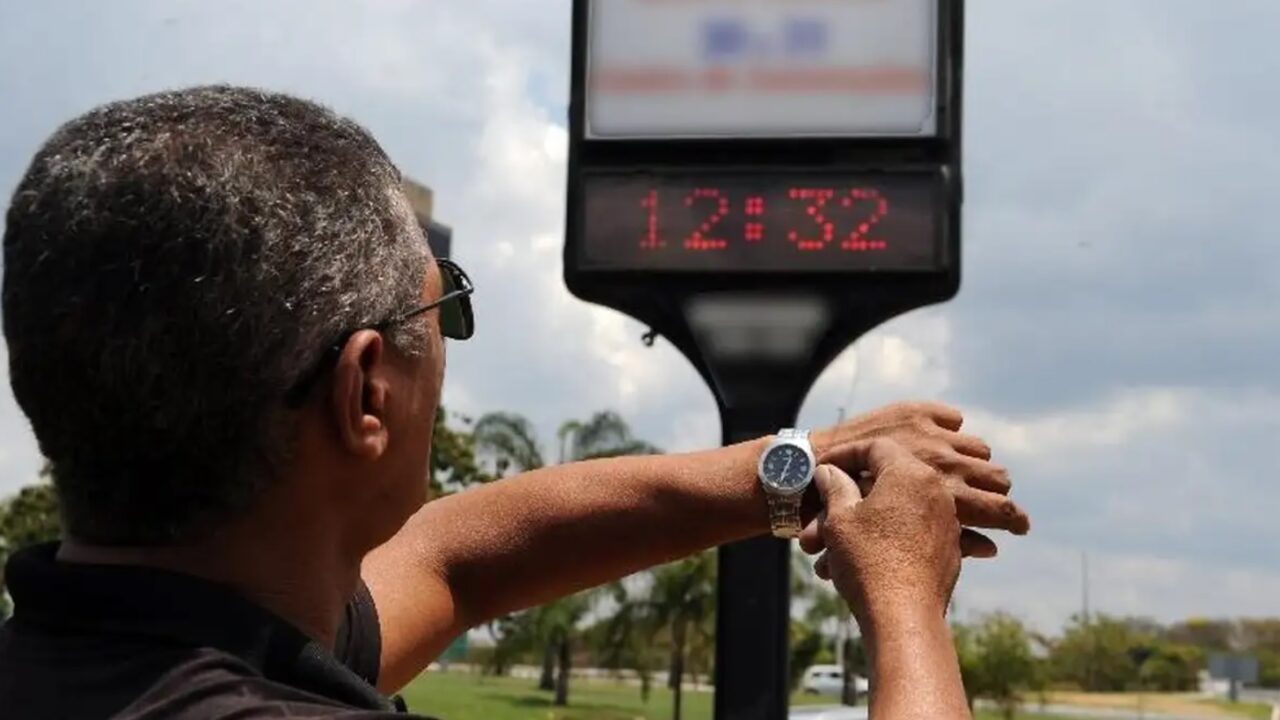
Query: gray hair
x=172, y=264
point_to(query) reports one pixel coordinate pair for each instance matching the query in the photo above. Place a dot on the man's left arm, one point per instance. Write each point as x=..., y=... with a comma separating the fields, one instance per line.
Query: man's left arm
x=523, y=541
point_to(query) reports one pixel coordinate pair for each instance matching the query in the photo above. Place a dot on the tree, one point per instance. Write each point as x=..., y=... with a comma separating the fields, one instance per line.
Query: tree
x=563, y=618
x=453, y=457
x=996, y=662
x=1203, y=633
x=604, y=435
x=627, y=638
x=809, y=647
x=510, y=442
x=30, y=517
x=1269, y=668
x=684, y=601
x=1171, y=668
x=511, y=645
x=1260, y=634
x=675, y=602
x=826, y=615
x=1095, y=654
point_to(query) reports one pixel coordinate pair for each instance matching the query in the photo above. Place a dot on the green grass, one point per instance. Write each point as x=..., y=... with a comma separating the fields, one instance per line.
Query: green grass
x=1185, y=704
x=456, y=696
x=1256, y=711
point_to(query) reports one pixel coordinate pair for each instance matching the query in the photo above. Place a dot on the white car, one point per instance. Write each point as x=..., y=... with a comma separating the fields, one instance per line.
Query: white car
x=829, y=680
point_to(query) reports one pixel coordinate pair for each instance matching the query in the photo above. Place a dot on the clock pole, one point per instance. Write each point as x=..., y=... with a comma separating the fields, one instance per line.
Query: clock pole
x=753, y=602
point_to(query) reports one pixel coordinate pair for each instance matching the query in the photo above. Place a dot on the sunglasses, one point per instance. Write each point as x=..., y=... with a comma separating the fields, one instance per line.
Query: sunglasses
x=457, y=322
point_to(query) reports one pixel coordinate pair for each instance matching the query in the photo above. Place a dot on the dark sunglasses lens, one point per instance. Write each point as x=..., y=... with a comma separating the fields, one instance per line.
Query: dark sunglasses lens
x=456, y=321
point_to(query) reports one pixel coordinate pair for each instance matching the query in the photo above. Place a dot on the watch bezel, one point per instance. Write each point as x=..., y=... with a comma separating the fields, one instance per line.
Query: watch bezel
x=806, y=447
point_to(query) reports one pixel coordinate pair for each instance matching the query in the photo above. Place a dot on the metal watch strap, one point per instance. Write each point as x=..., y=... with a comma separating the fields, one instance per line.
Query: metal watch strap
x=784, y=516
x=793, y=434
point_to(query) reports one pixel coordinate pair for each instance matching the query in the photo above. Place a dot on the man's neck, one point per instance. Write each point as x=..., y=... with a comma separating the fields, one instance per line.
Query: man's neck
x=303, y=577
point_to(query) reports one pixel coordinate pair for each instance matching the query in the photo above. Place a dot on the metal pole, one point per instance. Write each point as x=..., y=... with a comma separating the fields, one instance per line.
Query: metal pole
x=1084, y=585
x=1088, y=626
x=753, y=608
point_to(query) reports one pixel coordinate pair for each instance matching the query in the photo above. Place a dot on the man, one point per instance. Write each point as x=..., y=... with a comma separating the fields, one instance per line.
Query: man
x=228, y=334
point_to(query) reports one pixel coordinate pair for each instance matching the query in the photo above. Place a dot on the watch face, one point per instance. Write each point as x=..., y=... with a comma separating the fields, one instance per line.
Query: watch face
x=786, y=467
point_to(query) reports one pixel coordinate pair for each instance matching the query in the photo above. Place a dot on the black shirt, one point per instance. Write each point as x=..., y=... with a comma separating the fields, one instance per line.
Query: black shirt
x=132, y=643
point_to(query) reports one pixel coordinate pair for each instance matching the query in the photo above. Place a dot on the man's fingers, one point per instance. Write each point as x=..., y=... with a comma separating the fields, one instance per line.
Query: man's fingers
x=835, y=486
x=978, y=473
x=811, y=541
x=976, y=545
x=945, y=415
x=978, y=508
x=836, y=489
x=882, y=453
x=821, y=568
x=971, y=445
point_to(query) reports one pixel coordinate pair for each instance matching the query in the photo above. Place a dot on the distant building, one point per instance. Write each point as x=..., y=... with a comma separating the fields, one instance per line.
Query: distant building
x=439, y=235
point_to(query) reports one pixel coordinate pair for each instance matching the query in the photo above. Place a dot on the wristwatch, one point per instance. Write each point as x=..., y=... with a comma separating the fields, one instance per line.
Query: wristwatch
x=786, y=469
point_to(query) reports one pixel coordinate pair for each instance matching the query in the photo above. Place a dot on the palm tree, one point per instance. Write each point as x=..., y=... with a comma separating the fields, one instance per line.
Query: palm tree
x=511, y=442
x=603, y=435
x=627, y=639
x=678, y=603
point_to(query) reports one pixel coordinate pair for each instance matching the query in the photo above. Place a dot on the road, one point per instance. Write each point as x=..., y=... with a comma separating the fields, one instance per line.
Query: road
x=1077, y=711
x=1260, y=696
x=838, y=712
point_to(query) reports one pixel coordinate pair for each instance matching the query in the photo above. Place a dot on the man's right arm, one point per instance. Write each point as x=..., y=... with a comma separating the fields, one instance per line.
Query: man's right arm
x=917, y=675
x=895, y=557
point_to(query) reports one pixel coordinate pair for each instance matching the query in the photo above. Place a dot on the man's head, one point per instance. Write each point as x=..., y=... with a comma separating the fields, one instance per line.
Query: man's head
x=173, y=265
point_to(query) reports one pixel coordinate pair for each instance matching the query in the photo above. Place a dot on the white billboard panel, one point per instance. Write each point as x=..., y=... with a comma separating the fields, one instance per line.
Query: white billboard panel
x=762, y=68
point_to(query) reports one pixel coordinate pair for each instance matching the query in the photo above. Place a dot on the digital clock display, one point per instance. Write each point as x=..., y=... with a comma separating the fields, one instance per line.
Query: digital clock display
x=763, y=222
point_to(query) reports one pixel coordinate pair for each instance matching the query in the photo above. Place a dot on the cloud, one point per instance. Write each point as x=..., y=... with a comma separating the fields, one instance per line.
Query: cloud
x=1115, y=424
x=1042, y=583
x=1115, y=227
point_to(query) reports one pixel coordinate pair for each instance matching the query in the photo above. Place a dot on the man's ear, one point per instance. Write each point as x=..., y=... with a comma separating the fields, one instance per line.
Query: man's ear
x=360, y=393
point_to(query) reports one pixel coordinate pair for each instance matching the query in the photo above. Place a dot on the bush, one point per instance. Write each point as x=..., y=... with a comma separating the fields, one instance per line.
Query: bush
x=1172, y=668
x=996, y=662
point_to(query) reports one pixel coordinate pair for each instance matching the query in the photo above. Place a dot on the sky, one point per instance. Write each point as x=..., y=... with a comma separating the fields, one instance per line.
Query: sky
x=1114, y=338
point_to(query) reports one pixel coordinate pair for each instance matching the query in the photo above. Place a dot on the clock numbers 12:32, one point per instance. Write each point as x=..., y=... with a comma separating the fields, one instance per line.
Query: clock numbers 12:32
x=812, y=219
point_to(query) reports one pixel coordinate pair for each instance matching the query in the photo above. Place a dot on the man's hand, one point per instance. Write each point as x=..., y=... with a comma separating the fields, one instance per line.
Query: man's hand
x=930, y=433
x=895, y=557
x=898, y=549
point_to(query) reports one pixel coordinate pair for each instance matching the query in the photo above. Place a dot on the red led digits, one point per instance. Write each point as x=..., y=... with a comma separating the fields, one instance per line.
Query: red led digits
x=848, y=217
x=877, y=207
x=817, y=200
x=755, y=226
x=651, y=241
x=701, y=239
